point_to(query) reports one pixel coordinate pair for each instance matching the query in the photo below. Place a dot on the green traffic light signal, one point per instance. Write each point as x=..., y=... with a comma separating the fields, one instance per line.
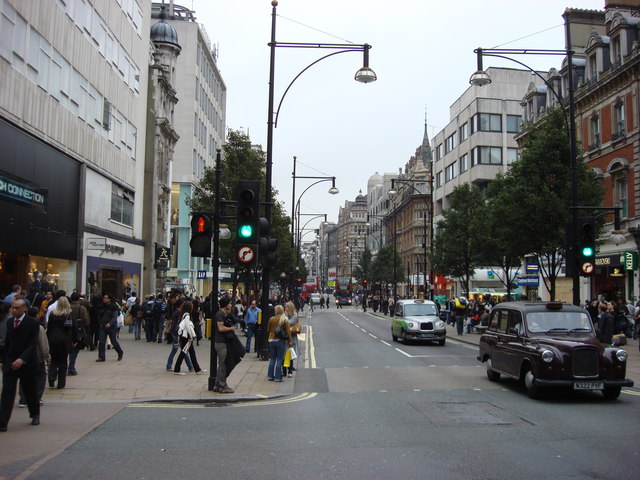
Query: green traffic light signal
x=587, y=252
x=245, y=231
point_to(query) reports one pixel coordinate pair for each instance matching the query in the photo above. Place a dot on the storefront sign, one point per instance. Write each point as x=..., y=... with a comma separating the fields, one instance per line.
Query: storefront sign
x=96, y=244
x=528, y=280
x=616, y=272
x=162, y=258
x=532, y=268
x=22, y=192
x=201, y=274
x=608, y=261
x=630, y=260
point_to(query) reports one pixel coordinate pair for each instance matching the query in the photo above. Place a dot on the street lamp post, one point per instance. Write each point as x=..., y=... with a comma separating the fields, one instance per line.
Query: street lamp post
x=363, y=75
x=481, y=77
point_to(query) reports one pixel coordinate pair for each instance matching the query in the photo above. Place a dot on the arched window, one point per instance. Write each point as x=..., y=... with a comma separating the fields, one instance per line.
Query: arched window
x=619, y=171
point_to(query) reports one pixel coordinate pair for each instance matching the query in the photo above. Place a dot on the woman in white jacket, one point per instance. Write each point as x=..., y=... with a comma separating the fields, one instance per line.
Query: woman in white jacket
x=186, y=334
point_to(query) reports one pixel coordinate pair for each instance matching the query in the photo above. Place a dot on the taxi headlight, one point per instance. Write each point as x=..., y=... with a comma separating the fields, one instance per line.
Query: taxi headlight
x=622, y=355
x=547, y=356
x=410, y=324
x=439, y=324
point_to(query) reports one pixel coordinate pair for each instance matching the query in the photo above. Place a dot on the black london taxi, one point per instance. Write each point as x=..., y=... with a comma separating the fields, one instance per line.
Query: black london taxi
x=550, y=345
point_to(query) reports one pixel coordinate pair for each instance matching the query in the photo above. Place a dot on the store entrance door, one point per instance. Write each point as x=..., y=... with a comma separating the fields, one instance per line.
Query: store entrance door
x=112, y=282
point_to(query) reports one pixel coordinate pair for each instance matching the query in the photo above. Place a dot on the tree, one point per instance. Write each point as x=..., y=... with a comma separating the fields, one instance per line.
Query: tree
x=535, y=197
x=456, y=249
x=242, y=161
x=382, y=267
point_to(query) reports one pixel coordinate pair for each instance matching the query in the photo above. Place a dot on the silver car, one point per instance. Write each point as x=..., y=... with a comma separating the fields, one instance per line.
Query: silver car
x=415, y=320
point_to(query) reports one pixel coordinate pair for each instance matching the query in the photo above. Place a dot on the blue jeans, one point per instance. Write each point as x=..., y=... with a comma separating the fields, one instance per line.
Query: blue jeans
x=277, y=350
x=251, y=331
x=112, y=332
x=174, y=350
x=137, y=328
x=73, y=355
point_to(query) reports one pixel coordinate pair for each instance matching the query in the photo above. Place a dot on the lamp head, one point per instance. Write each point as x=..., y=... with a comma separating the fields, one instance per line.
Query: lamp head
x=365, y=75
x=334, y=191
x=480, y=78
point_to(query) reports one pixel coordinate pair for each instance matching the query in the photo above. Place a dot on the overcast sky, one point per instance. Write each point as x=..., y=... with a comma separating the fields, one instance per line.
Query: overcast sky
x=423, y=56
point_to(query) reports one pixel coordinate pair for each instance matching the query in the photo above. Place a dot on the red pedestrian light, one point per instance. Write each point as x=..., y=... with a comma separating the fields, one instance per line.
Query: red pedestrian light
x=201, y=224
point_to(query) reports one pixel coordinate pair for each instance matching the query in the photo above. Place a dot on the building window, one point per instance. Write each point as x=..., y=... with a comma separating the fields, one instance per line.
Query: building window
x=450, y=172
x=463, y=132
x=513, y=123
x=121, y=205
x=449, y=143
x=464, y=163
x=619, y=119
x=620, y=192
x=513, y=154
x=438, y=152
x=486, y=156
x=593, y=68
x=487, y=122
x=438, y=179
x=595, y=132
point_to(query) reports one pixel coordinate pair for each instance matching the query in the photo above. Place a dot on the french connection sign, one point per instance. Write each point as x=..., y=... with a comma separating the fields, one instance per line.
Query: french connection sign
x=22, y=192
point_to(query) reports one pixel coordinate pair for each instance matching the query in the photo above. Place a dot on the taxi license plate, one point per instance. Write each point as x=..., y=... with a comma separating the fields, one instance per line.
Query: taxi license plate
x=588, y=386
x=426, y=335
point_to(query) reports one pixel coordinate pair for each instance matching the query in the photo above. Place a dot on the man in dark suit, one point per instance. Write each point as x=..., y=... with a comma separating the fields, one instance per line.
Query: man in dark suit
x=20, y=362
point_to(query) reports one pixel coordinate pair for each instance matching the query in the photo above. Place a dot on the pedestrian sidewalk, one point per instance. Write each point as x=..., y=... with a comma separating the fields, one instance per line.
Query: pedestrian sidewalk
x=141, y=376
x=102, y=389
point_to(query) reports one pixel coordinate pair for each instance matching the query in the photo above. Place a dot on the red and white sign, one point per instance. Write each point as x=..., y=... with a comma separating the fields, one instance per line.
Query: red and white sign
x=246, y=254
x=587, y=267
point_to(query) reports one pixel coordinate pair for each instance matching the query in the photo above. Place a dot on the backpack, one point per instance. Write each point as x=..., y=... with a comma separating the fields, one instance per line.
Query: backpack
x=162, y=307
x=621, y=324
x=149, y=309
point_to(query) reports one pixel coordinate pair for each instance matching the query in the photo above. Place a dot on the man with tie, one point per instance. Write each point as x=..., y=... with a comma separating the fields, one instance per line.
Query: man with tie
x=20, y=362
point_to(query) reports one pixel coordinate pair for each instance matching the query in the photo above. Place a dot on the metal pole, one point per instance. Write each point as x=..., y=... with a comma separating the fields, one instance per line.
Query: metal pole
x=573, y=155
x=266, y=281
x=215, y=262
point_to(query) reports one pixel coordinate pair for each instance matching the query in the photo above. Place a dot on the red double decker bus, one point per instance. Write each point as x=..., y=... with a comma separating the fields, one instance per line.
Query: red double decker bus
x=343, y=291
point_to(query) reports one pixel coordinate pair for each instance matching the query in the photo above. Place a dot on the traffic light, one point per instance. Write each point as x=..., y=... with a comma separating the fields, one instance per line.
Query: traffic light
x=586, y=245
x=201, y=232
x=267, y=246
x=248, y=222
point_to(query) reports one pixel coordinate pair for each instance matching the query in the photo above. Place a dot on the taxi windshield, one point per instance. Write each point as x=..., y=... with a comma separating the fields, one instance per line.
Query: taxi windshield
x=558, y=322
x=419, y=310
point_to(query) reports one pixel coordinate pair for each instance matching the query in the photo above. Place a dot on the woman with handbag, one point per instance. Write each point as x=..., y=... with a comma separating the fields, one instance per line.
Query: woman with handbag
x=279, y=333
x=187, y=334
x=62, y=337
x=296, y=328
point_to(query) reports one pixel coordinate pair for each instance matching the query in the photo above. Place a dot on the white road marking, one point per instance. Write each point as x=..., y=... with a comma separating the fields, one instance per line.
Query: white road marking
x=404, y=353
x=387, y=344
x=372, y=335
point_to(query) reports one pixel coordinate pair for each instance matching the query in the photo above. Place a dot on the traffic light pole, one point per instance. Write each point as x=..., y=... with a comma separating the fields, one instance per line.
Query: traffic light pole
x=215, y=264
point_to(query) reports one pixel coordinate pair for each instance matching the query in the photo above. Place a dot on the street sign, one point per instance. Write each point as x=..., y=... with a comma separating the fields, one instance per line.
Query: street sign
x=532, y=268
x=587, y=268
x=246, y=254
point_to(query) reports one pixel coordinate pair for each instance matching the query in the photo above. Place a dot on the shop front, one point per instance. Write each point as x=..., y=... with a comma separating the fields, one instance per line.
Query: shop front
x=39, y=199
x=614, y=276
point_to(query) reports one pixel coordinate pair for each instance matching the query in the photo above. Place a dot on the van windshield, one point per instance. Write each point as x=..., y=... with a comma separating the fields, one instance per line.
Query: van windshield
x=420, y=310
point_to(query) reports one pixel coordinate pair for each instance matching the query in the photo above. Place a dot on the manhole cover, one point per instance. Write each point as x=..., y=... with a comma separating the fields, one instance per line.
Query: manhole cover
x=458, y=414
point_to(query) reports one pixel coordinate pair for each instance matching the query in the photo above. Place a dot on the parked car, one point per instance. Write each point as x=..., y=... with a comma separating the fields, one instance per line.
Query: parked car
x=414, y=320
x=550, y=345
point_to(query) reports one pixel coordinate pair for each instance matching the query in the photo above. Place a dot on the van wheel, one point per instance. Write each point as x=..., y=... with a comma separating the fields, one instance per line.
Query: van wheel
x=405, y=338
x=492, y=375
x=442, y=342
x=393, y=337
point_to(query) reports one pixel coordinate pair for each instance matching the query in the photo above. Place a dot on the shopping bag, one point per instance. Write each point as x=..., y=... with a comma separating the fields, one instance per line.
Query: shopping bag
x=293, y=353
x=287, y=358
x=120, y=320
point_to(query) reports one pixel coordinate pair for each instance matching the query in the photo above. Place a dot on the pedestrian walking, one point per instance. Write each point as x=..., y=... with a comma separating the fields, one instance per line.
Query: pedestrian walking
x=187, y=335
x=148, y=315
x=251, y=321
x=176, y=318
x=62, y=337
x=20, y=363
x=80, y=315
x=108, y=320
x=44, y=358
